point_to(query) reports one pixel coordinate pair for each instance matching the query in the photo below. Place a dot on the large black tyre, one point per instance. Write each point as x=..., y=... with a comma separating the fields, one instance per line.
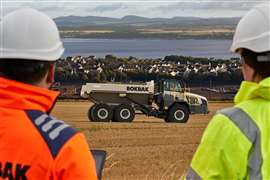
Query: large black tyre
x=90, y=112
x=100, y=113
x=178, y=113
x=124, y=113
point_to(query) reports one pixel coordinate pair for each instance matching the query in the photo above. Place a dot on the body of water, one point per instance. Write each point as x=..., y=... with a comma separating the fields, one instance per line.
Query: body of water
x=148, y=48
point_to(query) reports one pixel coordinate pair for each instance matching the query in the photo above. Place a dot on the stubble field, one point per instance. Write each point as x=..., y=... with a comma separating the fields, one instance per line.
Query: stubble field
x=146, y=149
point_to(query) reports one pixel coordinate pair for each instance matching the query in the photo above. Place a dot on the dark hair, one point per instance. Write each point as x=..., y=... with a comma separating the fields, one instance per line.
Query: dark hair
x=251, y=58
x=25, y=71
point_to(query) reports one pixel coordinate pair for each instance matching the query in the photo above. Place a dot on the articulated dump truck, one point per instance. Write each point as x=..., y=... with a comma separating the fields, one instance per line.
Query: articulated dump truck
x=120, y=102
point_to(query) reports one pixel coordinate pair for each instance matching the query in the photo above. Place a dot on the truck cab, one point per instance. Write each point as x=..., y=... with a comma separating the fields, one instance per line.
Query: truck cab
x=173, y=91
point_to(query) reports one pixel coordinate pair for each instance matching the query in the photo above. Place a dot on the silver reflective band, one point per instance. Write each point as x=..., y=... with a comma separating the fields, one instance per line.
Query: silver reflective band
x=244, y=122
x=192, y=175
x=265, y=58
x=46, y=127
x=41, y=119
x=55, y=133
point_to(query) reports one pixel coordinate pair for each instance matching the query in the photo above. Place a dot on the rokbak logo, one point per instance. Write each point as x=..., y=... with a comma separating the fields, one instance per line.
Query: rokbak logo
x=130, y=88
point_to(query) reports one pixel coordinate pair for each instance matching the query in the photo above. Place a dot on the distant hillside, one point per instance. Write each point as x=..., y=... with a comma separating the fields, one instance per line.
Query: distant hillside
x=83, y=21
x=79, y=21
x=142, y=27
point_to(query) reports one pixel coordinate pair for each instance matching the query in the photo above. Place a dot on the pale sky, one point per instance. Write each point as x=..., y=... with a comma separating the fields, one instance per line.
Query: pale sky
x=146, y=8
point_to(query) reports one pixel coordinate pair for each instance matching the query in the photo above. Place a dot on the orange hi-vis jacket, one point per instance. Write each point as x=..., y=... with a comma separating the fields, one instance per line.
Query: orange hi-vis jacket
x=34, y=145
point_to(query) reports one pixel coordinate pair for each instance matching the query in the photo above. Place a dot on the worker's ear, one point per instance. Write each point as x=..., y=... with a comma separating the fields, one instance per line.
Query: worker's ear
x=249, y=74
x=50, y=76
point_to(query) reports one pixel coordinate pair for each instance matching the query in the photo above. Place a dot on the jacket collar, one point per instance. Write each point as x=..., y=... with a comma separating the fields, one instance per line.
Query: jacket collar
x=16, y=95
x=251, y=90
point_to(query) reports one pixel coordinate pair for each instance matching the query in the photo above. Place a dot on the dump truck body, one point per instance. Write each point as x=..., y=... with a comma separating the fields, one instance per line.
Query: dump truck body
x=112, y=93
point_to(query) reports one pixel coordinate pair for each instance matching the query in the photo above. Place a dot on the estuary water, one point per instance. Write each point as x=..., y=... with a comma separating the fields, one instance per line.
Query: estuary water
x=148, y=48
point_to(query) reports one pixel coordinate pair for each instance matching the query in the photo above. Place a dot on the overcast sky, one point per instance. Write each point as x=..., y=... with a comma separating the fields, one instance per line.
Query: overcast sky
x=146, y=8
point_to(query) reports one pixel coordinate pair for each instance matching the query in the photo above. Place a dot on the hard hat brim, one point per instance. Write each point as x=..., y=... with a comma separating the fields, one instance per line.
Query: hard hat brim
x=257, y=44
x=33, y=54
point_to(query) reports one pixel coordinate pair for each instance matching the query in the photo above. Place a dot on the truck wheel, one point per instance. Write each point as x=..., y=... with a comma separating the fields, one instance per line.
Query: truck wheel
x=124, y=113
x=178, y=114
x=90, y=112
x=101, y=113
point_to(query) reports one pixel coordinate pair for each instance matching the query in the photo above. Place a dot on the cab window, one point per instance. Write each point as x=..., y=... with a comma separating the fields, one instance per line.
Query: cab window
x=173, y=86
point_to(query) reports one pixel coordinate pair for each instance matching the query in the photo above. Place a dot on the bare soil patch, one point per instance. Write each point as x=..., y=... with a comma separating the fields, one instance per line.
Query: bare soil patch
x=146, y=149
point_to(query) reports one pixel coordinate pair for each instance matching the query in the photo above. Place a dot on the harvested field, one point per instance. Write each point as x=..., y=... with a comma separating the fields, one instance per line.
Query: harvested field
x=146, y=149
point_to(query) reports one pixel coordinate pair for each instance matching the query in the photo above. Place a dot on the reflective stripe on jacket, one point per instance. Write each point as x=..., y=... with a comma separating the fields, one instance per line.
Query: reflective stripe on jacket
x=34, y=145
x=235, y=145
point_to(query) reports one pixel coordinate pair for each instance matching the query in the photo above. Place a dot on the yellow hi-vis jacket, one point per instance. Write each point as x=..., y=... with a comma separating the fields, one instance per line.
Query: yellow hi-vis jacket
x=236, y=143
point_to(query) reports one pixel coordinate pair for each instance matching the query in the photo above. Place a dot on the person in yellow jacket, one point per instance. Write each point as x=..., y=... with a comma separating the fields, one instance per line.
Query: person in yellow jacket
x=236, y=143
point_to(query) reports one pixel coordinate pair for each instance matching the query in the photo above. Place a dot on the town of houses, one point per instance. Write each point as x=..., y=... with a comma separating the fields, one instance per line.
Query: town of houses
x=71, y=72
x=86, y=65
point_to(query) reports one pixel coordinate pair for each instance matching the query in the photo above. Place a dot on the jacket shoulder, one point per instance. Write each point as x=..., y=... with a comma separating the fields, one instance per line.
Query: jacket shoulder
x=54, y=132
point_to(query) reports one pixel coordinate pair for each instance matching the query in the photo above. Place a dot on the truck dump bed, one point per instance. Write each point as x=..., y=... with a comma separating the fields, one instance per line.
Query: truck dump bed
x=113, y=93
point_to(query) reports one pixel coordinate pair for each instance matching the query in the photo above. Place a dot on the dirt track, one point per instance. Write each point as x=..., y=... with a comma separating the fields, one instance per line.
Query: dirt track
x=148, y=148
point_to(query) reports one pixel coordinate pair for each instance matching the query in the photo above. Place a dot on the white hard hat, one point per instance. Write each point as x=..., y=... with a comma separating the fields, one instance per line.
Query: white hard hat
x=29, y=34
x=253, y=30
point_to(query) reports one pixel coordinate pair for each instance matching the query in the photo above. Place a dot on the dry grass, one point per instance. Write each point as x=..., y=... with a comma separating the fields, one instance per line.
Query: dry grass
x=146, y=149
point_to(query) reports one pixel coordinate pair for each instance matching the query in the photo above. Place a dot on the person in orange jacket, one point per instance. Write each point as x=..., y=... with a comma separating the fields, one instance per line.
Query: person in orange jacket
x=33, y=144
